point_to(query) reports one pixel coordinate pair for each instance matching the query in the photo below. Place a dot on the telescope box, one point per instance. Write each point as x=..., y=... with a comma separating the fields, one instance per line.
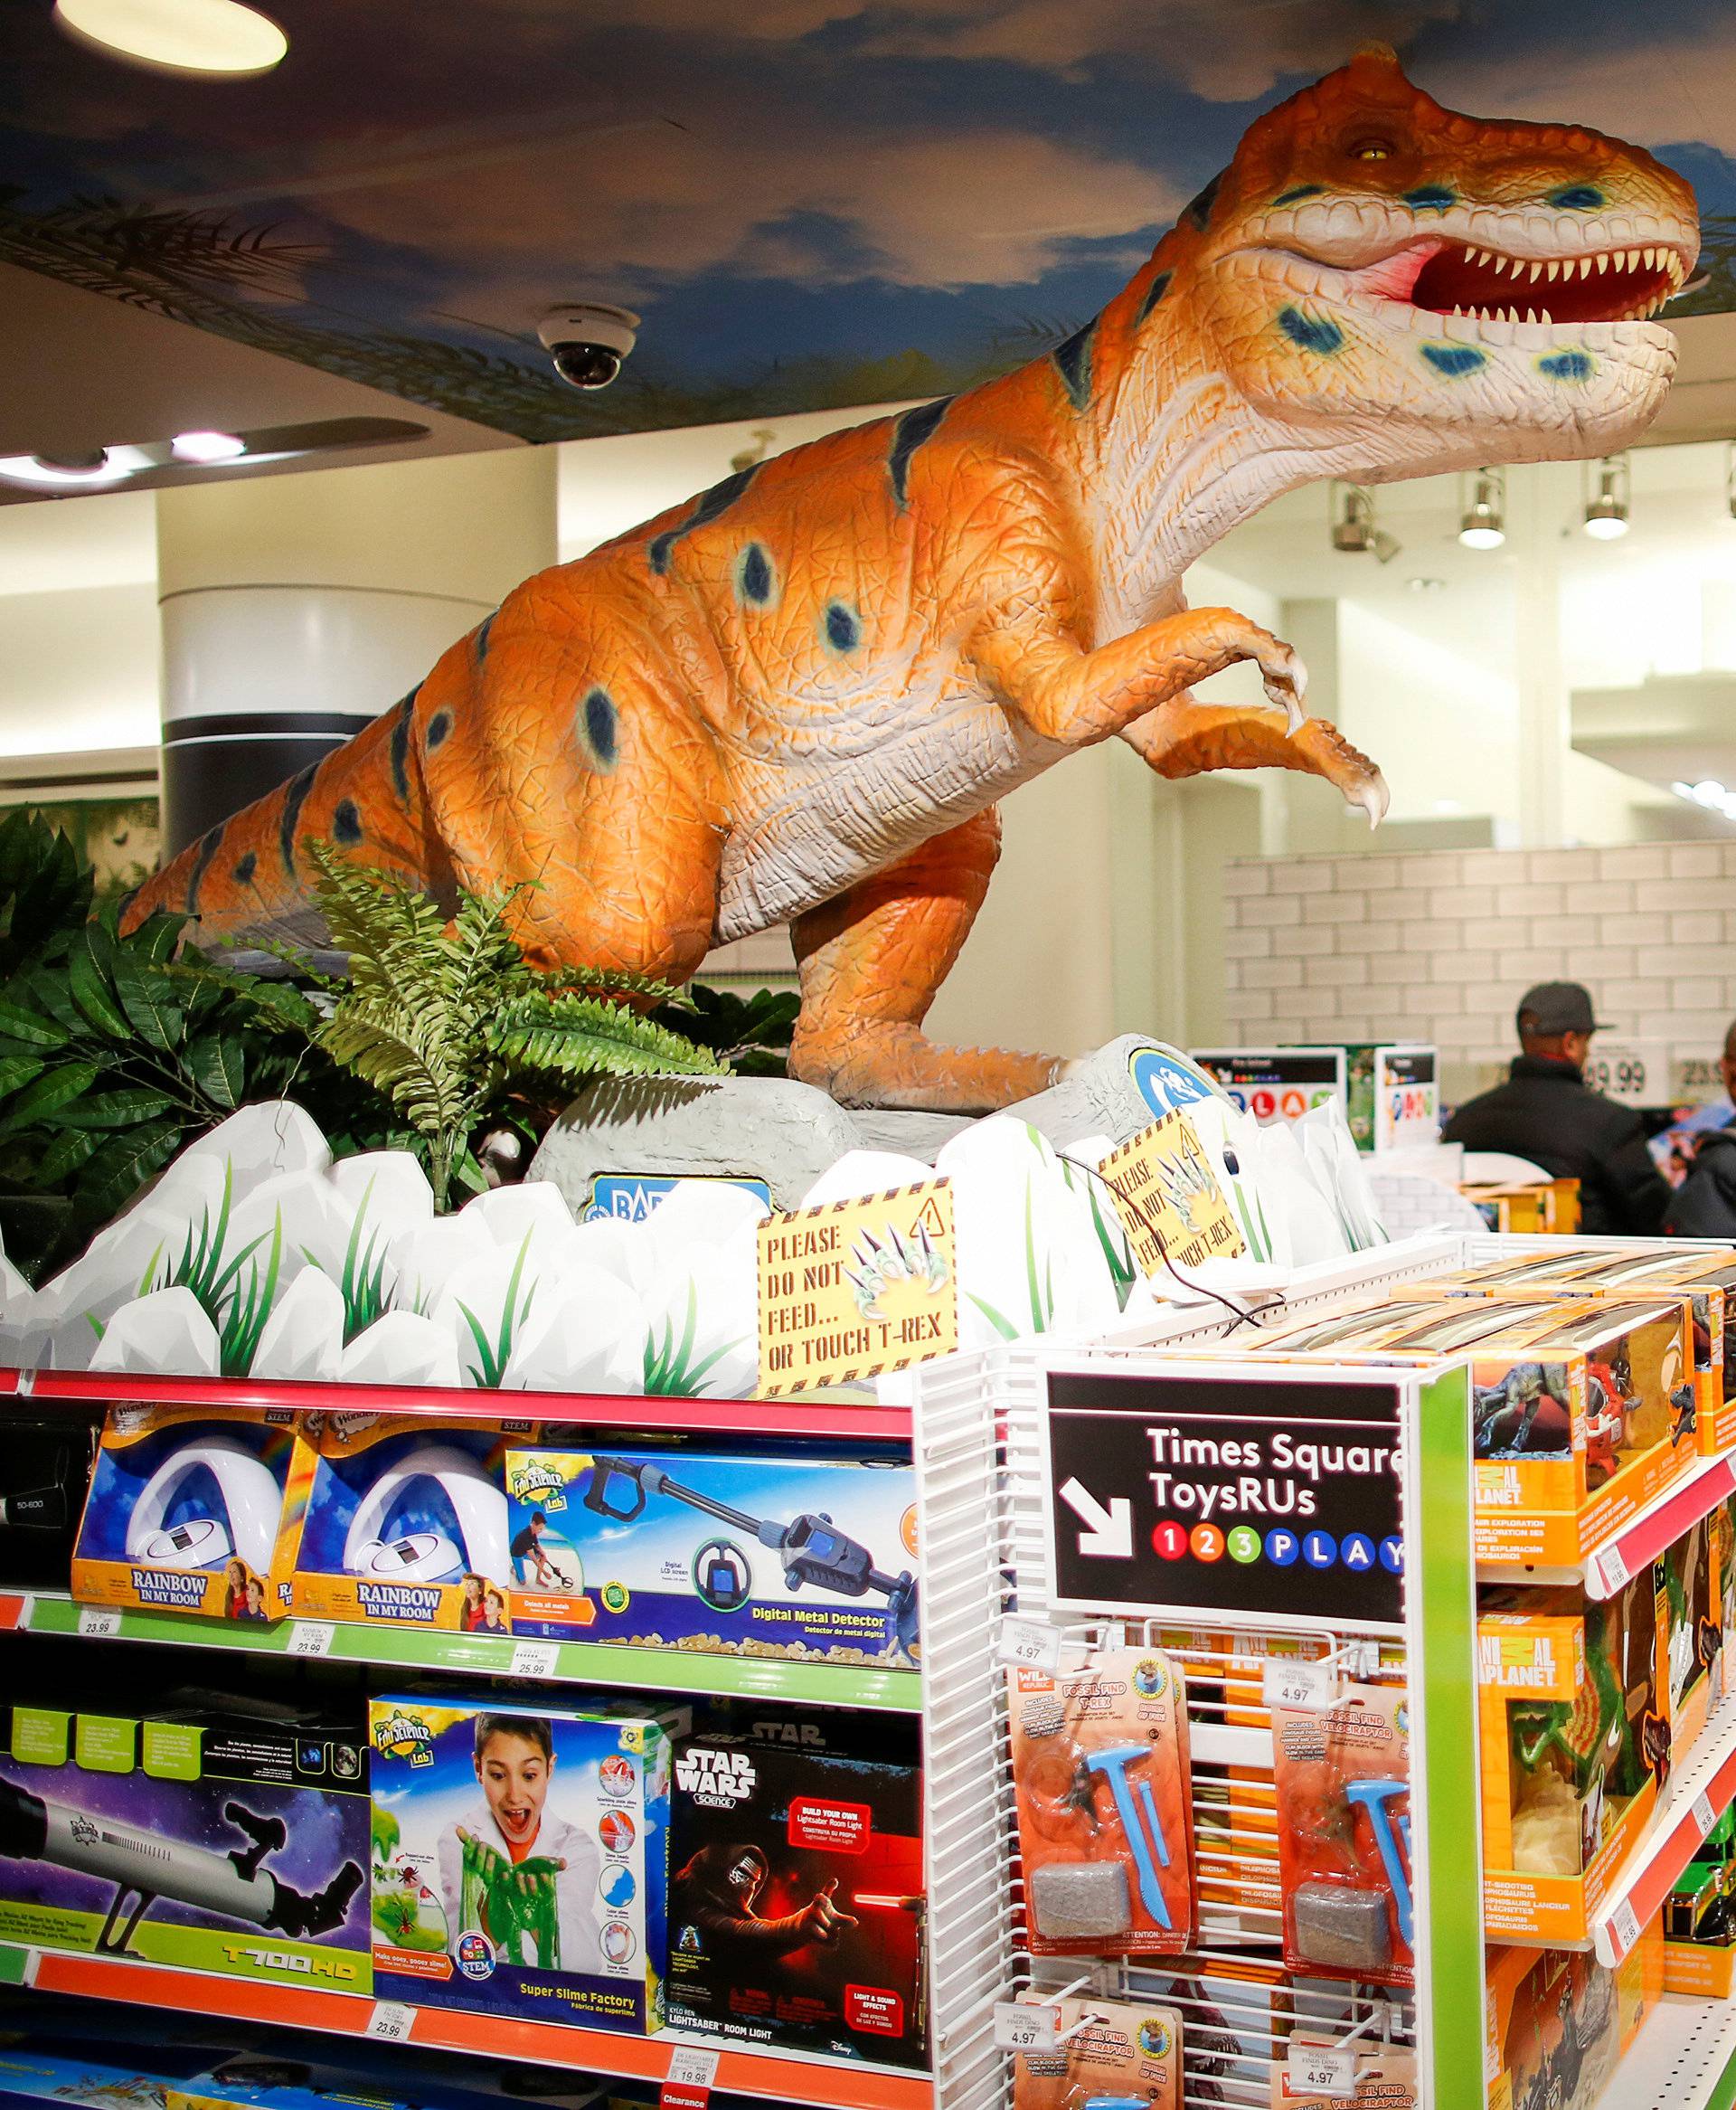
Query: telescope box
x=786, y=1551
x=520, y=1857
x=210, y=1837
x=395, y=1520
x=797, y=1916
x=183, y=1510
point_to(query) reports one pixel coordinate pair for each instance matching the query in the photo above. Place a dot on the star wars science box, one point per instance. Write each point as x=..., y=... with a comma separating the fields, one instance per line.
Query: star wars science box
x=796, y=1912
x=1581, y=1412
x=756, y=1552
x=201, y=1833
x=520, y=1857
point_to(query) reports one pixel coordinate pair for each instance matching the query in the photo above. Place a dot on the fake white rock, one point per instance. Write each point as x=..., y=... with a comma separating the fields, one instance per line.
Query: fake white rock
x=23, y=1331
x=401, y=1347
x=534, y=1207
x=859, y=1173
x=484, y=1307
x=703, y=1324
x=262, y=1142
x=586, y=1333
x=421, y=1263
x=698, y=1216
x=303, y=1213
x=1338, y=1169
x=165, y=1333
x=304, y=1337
x=1289, y=1196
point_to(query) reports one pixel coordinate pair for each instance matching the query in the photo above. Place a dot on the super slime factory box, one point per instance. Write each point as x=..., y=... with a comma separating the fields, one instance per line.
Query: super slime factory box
x=754, y=1552
x=203, y=1835
x=520, y=1857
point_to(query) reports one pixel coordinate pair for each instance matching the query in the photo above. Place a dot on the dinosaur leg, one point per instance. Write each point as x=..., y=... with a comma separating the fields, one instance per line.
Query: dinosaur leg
x=1183, y=738
x=870, y=962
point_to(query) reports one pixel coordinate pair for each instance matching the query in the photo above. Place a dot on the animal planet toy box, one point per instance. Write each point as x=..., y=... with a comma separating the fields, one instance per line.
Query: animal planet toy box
x=1556, y=2023
x=1578, y=1408
x=183, y=1509
x=208, y=1836
x=521, y=1858
x=797, y=1909
x=1705, y=1274
x=752, y=1553
x=1574, y=1745
x=395, y=1520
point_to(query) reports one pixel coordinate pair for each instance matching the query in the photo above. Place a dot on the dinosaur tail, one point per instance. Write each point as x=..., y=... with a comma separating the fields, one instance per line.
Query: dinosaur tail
x=247, y=883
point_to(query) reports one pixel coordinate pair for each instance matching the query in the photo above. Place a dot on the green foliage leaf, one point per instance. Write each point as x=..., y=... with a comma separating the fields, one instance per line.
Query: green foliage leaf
x=115, y=1175
x=31, y=1026
x=147, y=997
x=117, y=1109
x=16, y=1070
x=218, y=1065
x=58, y=1088
x=66, y=1153
x=92, y=991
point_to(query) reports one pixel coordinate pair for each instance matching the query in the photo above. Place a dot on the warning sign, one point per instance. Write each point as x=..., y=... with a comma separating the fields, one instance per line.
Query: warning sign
x=1169, y=1198
x=856, y=1288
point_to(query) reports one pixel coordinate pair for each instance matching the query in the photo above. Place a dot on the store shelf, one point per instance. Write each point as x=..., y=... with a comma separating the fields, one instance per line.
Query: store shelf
x=615, y=1410
x=767, y=2077
x=672, y=1671
x=1684, y=2058
x=1700, y=1790
x=1638, y=1543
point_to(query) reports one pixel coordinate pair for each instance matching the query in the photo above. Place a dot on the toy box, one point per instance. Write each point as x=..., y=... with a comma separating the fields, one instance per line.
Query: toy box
x=1690, y=1601
x=757, y=1553
x=183, y=1509
x=797, y=1918
x=1579, y=1410
x=1574, y=1745
x=1556, y=2023
x=1705, y=1275
x=202, y=1834
x=520, y=1857
x=1124, y=2052
x=394, y=1518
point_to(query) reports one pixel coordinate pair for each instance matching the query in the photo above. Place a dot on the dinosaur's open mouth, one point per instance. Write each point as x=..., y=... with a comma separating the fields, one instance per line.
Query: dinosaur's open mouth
x=1614, y=285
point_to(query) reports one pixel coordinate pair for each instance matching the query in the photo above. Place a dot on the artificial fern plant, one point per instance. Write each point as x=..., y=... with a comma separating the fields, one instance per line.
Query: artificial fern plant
x=441, y=1016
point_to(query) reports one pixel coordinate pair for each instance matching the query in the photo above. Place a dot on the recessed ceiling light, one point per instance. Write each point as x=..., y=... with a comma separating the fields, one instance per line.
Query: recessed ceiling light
x=1422, y=585
x=177, y=36
x=80, y=472
x=206, y=446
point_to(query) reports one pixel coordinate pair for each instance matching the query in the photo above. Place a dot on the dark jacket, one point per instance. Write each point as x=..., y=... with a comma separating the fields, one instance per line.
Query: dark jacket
x=1705, y=1204
x=1547, y=1112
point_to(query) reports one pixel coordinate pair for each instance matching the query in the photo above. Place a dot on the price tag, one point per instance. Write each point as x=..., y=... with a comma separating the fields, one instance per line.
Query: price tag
x=1023, y=2026
x=1320, y=2069
x=692, y=2068
x=538, y=1659
x=390, y=2021
x=311, y=1637
x=97, y=1624
x=1702, y=1815
x=1613, y=1568
x=1625, y=1926
x=1299, y=1684
x=1028, y=1641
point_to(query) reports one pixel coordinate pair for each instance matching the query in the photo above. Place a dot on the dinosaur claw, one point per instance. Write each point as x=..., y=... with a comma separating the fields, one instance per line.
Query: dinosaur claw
x=1294, y=715
x=1373, y=798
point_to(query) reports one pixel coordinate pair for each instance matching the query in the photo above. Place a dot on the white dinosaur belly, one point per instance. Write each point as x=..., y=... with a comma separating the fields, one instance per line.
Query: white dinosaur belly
x=807, y=830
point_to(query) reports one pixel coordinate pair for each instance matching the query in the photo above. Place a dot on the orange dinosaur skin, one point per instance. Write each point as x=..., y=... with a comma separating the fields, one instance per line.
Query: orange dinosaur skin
x=798, y=698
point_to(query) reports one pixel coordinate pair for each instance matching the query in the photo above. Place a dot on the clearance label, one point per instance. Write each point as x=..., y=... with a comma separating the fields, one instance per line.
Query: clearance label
x=856, y=1288
x=1169, y=1200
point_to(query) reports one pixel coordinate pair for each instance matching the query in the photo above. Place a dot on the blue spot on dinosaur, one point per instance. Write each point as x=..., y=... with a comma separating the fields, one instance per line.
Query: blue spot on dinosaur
x=599, y=727
x=1578, y=198
x=1456, y=360
x=843, y=626
x=712, y=504
x=1430, y=198
x=244, y=870
x=1312, y=335
x=753, y=580
x=438, y=726
x=1197, y=213
x=483, y=628
x=1568, y=366
x=1072, y=359
x=401, y=743
x=1154, y=292
x=295, y=793
x=1301, y=191
x=208, y=844
x=347, y=823
x=909, y=433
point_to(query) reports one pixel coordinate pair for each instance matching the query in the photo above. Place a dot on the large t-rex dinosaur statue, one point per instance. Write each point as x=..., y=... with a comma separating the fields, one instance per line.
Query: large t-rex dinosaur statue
x=798, y=697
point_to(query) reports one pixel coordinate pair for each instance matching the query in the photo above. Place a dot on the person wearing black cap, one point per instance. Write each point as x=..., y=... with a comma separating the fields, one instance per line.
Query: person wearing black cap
x=1547, y=1112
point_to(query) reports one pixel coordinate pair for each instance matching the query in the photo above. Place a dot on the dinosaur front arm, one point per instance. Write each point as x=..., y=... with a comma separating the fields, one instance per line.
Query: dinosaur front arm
x=1184, y=738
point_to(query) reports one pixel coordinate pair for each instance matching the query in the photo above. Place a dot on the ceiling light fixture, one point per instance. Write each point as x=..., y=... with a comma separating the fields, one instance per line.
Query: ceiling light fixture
x=1425, y=585
x=1483, y=524
x=206, y=447
x=1709, y=793
x=1605, y=515
x=107, y=465
x=219, y=38
x=1354, y=531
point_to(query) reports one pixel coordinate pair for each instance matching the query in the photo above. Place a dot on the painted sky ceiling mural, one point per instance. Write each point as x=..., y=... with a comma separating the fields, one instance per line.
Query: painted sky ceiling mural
x=812, y=202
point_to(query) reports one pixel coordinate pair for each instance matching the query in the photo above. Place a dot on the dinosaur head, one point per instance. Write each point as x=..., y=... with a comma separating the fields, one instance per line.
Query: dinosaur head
x=1407, y=290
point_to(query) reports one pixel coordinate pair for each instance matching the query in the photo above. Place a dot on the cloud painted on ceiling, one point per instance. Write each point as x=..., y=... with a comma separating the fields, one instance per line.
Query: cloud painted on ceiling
x=812, y=202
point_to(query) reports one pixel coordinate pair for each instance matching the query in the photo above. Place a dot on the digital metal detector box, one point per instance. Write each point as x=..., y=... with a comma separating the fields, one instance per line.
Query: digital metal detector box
x=183, y=1509
x=752, y=1552
x=395, y=1520
x=215, y=1838
x=797, y=1916
x=520, y=1857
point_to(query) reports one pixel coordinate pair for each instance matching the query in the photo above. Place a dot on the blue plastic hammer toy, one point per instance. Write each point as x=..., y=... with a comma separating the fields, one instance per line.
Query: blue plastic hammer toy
x=1113, y=1764
x=1374, y=1797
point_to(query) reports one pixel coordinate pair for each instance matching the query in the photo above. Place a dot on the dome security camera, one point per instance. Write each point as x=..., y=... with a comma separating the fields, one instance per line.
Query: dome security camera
x=587, y=340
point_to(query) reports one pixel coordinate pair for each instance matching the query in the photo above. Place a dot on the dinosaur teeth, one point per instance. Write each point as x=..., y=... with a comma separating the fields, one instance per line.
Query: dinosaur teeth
x=1553, y=269
x=1537, y=271
x=1603, y=260
x=1651, y=260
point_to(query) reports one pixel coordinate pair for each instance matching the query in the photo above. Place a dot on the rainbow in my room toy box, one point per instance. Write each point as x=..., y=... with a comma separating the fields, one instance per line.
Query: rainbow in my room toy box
x=520, y=1857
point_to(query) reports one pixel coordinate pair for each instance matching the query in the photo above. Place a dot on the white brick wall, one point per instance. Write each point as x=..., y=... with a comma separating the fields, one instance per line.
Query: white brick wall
x=1440, y=946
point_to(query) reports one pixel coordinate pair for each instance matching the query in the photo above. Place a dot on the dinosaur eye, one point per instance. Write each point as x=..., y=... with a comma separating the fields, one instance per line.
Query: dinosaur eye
x=1372, y=150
